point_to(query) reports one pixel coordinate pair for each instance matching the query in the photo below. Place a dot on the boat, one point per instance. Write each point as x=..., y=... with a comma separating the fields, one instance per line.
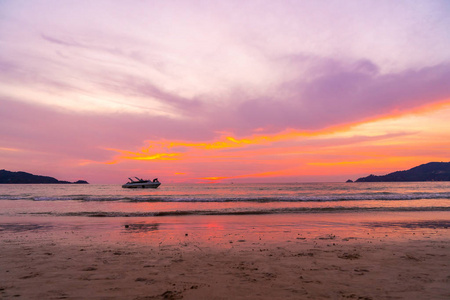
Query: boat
x=142, y=183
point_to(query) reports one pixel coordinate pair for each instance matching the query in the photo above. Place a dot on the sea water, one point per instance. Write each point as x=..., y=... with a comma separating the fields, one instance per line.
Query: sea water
x=211, y=212
x=76, y=200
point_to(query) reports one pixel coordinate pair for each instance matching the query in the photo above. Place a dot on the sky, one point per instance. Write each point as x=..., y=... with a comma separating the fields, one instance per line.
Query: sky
x=223, y=91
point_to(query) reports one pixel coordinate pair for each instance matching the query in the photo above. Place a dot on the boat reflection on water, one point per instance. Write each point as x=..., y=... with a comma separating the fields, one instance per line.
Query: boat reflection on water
x=141, y=227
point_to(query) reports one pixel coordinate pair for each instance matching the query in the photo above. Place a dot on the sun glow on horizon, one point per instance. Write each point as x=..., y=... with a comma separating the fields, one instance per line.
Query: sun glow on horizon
x=351, y=148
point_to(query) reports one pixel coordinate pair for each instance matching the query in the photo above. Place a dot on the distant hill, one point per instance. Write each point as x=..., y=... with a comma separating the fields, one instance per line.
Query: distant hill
x=433, y=171
x=23, y=177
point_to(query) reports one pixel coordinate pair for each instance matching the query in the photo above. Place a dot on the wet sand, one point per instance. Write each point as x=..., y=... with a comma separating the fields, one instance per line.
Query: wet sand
x=207, y=258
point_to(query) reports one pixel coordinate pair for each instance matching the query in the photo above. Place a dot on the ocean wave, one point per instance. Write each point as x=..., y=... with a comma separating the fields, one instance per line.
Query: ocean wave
x=285, y=210
x=383, y=196
x=303, y=198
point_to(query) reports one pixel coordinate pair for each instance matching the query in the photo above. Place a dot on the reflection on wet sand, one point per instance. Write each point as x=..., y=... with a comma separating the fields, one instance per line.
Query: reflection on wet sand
x=141, y=227
x=420, y=224
x=14, y=227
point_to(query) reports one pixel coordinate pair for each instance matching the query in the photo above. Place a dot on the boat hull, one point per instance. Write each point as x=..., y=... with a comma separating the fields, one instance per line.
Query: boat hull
x=141, y=185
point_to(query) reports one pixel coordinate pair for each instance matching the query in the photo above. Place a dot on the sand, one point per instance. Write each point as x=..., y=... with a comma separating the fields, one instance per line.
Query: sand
x=141, y=259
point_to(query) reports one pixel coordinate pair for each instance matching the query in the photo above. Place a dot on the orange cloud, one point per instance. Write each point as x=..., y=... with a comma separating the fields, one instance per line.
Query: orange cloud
x=396, y=141
x=214, y=178
x=10, y=149
x=143, y=155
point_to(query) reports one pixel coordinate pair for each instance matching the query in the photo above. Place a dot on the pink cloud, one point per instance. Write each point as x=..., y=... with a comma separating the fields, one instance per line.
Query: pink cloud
x=346, y=95
x=41, y=128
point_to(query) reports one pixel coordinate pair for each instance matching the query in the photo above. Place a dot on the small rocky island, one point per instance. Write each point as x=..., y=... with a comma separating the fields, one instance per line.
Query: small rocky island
x=433, y=171
x=9, y=177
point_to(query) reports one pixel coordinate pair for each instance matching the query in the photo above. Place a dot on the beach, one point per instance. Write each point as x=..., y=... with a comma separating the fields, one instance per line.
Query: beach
x=286, y=256
x=224, y=150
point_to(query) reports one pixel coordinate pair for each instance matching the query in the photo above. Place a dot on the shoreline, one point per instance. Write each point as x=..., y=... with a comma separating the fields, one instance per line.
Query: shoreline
x=404, y=255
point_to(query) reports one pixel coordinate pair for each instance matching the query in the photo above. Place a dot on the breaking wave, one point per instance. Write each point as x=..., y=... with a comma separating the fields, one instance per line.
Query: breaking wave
x=284, y=210
x=302, y=198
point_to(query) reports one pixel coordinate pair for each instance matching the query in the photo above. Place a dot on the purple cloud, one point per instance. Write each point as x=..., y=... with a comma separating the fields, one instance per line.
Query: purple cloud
x=344, y=96
x=144, y=89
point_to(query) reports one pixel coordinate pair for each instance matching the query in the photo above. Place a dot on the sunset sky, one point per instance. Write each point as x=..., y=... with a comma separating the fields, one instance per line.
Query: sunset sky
x=223, y=91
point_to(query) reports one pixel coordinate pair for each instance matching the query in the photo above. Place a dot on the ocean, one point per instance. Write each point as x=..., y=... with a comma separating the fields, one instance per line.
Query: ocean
x=73, y=200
